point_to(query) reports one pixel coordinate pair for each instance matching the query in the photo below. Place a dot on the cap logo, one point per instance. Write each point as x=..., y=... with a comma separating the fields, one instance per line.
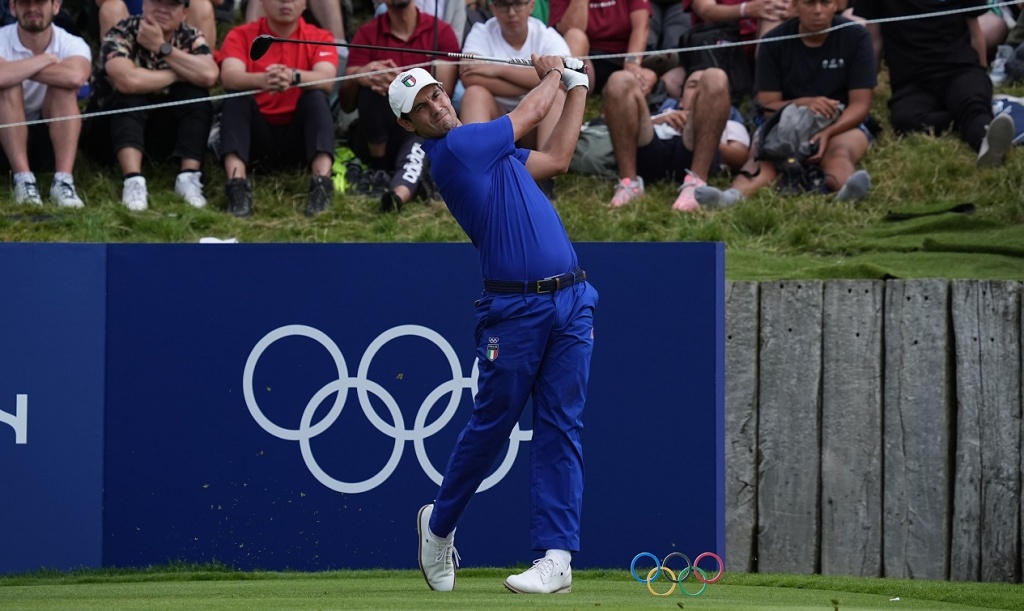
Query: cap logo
x=409, y=80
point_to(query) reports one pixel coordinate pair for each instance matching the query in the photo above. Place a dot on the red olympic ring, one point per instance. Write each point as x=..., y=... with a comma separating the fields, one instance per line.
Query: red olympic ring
x=700, y=576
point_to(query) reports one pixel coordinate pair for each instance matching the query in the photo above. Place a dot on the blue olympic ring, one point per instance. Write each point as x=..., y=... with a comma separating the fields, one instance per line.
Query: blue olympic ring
x=632, y=567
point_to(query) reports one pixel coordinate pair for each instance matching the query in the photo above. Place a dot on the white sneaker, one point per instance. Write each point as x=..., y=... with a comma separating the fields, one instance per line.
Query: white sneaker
x=64, y=195
x=190, y=187
x=134, y=195
x=26, y=192
x=546, y=576
x=438, y=557
x=997, y=142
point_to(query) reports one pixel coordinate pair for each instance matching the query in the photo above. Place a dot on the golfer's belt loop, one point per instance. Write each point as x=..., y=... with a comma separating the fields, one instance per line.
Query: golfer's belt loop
x=547, y=285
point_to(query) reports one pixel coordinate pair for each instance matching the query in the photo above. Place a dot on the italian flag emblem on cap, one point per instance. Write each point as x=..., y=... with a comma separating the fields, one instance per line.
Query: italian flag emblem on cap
x=409, y=80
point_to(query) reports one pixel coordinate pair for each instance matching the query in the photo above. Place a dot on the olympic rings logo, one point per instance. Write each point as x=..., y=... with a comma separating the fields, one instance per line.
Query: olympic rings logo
x=339, y=387
x=677, y=580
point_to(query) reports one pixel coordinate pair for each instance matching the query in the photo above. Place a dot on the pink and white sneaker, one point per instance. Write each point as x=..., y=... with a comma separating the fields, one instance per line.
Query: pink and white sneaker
x=687, y=201
x=626, y=191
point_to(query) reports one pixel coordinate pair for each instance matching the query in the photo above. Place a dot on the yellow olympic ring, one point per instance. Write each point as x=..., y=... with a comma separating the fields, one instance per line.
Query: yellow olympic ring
x=671, y=577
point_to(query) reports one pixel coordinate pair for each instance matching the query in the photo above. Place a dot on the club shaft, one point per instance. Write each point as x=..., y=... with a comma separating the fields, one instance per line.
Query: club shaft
x=503, y=60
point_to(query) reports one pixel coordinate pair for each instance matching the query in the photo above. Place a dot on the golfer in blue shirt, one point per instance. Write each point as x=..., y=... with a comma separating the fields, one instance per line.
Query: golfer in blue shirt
x=535, y=318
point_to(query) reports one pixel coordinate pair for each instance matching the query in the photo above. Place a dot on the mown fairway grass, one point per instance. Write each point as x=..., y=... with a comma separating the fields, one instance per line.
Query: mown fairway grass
x=767, y=237
x=218, y=588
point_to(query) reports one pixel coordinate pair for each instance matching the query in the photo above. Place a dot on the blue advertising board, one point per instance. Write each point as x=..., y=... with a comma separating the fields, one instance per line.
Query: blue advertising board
x=52, y=318
x=292, y=406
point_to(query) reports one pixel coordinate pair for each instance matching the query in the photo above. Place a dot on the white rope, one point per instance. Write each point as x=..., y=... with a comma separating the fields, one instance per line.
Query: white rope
x=723, y=45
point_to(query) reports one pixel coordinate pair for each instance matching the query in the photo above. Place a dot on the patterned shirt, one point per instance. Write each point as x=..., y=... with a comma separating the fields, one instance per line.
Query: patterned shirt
x=120, y=41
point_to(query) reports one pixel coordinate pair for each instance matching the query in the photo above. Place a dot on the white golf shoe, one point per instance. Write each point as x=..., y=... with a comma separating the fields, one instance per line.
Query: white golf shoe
x=438, y=557
x=546, y=576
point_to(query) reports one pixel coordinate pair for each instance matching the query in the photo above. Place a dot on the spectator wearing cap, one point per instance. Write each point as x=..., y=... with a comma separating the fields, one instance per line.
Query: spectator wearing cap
x=43, y=66
x=145, y=60
x=201, y=13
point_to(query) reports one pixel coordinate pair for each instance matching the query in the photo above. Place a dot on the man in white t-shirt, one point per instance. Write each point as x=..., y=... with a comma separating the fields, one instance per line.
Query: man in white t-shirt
x=42, y=67
x=494, y=89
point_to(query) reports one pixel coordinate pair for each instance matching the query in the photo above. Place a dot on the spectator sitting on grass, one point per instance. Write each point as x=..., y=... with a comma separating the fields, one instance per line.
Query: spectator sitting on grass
x=937, y=73
x=493, y=89
x=643, y=155
x=282, y=125
x=43, y=66
x=148, y=59
x=830, y=73
x=376, y=138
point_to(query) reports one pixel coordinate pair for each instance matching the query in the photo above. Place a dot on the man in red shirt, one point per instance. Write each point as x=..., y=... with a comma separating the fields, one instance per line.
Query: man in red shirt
x=607, y=27
x=377, y=139
x=283, y=123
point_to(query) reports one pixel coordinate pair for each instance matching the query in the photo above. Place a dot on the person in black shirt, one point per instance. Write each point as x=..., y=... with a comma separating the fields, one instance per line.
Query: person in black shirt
x=937, y=72
x=830, y=73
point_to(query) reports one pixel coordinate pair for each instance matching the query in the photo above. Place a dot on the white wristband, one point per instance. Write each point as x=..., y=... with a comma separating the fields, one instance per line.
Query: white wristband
x=743, y=10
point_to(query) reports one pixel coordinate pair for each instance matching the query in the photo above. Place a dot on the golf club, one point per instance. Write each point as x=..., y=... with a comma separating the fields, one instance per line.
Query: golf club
x=262, y=43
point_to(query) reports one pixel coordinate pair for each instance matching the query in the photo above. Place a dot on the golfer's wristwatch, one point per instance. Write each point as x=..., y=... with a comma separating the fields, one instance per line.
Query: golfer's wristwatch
x=164, y=50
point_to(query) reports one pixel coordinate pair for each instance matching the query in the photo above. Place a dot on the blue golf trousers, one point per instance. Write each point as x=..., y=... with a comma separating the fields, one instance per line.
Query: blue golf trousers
x=539, y=345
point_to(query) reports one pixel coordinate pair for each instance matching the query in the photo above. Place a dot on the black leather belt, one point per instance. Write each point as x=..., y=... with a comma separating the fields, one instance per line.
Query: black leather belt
x=547, y=285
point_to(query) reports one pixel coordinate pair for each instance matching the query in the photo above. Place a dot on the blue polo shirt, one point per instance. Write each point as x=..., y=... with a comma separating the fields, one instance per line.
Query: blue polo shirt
x=483, y=179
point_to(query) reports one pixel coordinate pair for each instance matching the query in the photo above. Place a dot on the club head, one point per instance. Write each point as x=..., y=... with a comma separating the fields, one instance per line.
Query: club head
x=260, y=45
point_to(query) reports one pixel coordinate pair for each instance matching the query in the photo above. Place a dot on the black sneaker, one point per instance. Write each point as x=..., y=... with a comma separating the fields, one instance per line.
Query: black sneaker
x=321, y=193
x=356, y=178
x=239, y=192
x=390, y=202
x=380, y=183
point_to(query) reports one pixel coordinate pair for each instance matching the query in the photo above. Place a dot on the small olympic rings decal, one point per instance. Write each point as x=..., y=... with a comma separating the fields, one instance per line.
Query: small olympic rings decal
x=677, y=577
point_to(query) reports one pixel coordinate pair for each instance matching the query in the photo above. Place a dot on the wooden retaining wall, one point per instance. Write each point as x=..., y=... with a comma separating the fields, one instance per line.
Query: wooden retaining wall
x=874, y=428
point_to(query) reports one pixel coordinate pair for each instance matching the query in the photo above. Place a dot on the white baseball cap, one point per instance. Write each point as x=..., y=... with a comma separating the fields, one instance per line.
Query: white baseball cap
x=403, y=90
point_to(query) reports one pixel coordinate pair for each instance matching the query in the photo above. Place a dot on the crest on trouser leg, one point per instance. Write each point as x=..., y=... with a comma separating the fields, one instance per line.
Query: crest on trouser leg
x=492, y=348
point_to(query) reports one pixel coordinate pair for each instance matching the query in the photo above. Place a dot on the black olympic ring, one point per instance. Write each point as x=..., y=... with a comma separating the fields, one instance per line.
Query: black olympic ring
x=677, y=580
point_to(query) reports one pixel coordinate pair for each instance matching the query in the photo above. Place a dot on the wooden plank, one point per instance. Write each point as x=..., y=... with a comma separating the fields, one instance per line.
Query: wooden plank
x=741, y=336
x=851, y=429
x=788, y=427
x=986, y=498
x=918, y=425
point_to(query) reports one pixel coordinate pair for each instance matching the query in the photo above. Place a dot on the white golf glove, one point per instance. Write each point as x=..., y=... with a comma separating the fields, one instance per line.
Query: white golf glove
x=571, y=78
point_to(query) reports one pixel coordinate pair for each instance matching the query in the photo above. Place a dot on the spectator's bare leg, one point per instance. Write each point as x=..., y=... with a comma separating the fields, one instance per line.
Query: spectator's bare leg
x=579, y=46
x=234, y=167
x=253, y=11
x=130, y=160
x=629, y=122
x=321, y=165
x=63, y=134
x=755, y=174
x=841, y=157
x=674, y=80
x=14, y=139
x=328, y=15
x=111, y=11
x=201, y=15
x=707, y=120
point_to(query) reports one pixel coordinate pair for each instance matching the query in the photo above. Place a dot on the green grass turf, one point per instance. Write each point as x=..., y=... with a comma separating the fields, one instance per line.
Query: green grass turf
x=219, y=588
